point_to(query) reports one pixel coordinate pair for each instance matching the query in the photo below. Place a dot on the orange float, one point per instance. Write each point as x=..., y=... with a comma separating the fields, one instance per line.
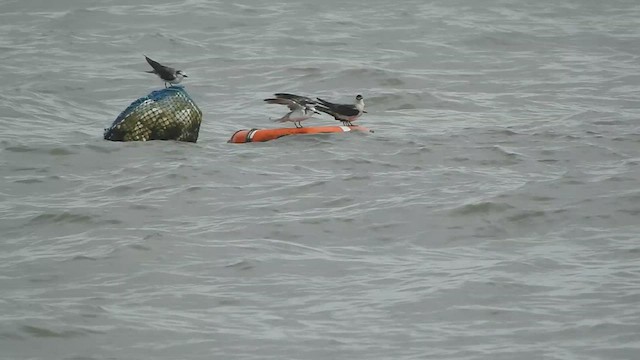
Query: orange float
x=260, y=135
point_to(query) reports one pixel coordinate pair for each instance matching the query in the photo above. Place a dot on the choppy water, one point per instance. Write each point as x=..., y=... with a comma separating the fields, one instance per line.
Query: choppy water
x=494, y=214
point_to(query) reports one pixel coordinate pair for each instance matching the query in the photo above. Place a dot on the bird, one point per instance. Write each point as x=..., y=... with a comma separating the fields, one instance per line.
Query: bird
x=166, y=73
x=302, y=107
x=343, y=112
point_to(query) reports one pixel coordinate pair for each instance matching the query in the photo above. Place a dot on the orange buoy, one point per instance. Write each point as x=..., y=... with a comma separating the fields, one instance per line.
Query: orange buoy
x=260, y=135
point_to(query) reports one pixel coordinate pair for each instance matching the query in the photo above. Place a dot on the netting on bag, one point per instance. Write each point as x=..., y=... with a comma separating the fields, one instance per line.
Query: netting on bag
x=167, y=114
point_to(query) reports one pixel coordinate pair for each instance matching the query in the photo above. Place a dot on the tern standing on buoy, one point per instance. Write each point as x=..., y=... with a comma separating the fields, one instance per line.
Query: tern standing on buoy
x=302, y=107
x=343, y=112
x=166, y=73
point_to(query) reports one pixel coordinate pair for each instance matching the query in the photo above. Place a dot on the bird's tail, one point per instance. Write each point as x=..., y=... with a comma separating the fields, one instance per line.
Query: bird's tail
x=282, y=119
x=324, y=109
x=154, y=64
x=325, y=102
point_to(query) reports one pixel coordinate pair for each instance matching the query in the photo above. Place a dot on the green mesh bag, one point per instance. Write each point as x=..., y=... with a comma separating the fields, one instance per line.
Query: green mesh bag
x=167, y=114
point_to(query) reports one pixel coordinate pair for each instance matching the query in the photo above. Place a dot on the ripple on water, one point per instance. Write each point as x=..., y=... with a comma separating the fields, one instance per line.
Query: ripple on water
x=46, y=332
x=480, y=208
x=59, y=218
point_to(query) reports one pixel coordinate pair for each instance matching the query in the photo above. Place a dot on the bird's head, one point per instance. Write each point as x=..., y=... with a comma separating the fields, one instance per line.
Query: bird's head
x=181, y=73
x=359, y=104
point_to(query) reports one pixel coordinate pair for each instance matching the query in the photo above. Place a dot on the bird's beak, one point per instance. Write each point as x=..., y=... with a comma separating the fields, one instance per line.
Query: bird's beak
x=365, y=111
x=183, y=75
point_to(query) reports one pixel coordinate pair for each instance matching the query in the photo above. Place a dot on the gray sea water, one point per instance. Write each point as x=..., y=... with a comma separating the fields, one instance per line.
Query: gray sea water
x=493, y=214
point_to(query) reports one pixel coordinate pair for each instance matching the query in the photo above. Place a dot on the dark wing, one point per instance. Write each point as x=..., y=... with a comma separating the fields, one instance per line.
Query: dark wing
x=291, y=104
x=342, y=109
x=326, y=103
x=347, y=110
x=165, y=72
x=302, y=100
x=327, y=111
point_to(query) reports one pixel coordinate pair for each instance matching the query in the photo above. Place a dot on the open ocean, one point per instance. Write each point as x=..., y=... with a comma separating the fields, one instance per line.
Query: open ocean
x=494, y=213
